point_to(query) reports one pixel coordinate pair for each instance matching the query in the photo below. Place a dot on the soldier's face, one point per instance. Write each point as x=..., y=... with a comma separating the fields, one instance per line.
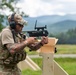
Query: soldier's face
x=19, y=27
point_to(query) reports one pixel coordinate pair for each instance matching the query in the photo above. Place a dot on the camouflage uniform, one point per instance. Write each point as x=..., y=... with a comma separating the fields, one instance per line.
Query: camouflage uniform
x=11, y=47
x=8, y=62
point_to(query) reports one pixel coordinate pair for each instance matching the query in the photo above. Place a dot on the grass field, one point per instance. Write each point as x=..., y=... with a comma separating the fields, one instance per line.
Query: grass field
x=66, y=49
x=61, y=49
x=68, y=64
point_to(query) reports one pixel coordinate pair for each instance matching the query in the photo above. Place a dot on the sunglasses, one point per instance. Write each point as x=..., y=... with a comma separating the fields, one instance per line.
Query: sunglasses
x=20, y=25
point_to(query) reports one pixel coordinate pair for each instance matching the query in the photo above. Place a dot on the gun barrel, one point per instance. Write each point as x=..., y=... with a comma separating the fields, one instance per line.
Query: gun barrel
x=37, y=33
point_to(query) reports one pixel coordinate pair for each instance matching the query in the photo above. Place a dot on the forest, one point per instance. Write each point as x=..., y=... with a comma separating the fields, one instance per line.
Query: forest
x=68, y=37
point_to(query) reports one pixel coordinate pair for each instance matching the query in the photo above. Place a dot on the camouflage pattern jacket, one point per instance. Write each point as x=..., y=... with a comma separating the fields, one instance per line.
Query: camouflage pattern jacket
x=6, y=58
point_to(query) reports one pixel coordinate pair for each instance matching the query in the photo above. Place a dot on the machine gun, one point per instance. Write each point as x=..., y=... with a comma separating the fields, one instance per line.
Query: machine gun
x=38, y=32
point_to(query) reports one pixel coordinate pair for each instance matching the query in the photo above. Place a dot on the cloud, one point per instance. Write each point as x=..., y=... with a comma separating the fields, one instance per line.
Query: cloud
x=47, y=7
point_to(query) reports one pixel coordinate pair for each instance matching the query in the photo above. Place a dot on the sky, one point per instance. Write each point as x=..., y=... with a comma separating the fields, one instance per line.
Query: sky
x=36, y=8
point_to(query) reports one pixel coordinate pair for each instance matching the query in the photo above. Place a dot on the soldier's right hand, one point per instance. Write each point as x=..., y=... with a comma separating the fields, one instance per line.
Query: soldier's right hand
x=30, y=40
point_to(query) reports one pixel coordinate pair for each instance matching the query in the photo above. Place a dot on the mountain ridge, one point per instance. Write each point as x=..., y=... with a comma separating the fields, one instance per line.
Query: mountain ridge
x=55, y=23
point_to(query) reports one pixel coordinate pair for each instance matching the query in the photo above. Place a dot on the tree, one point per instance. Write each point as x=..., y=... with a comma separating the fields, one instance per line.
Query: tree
x=9, y=5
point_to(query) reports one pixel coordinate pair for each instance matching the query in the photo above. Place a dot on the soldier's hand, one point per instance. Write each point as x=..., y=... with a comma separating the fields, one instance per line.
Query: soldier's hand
x=30, y=40
x=44, y=40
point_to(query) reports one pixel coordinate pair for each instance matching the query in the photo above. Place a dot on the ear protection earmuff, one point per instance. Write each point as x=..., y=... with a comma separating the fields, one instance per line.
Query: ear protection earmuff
x=12, y=21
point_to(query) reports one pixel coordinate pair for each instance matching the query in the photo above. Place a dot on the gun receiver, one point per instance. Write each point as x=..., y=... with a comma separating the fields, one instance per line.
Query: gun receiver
x=39, y=31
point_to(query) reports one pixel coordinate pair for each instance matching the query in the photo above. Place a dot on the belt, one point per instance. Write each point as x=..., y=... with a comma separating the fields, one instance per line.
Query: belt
x=8, y=65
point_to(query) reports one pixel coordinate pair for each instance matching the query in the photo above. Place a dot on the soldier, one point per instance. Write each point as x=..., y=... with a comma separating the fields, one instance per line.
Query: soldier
x=12, y=44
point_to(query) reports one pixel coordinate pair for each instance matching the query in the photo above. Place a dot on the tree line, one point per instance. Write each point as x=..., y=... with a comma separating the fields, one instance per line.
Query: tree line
x=68, y=37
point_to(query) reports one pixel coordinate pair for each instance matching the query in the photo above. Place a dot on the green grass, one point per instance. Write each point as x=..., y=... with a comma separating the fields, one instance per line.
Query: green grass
x=68, y=64
x=31, y=72
x=66, y=49
x=61, y=49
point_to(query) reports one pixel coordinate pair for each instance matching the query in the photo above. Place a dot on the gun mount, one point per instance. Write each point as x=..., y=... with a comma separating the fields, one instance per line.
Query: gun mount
x=39, y=31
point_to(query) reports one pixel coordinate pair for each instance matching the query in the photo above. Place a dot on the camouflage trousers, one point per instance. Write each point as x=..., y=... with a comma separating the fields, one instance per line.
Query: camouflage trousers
x=5, y=70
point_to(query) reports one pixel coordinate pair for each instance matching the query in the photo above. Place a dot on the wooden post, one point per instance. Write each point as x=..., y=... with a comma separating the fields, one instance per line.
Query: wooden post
x=47, y=52
x=49, y=65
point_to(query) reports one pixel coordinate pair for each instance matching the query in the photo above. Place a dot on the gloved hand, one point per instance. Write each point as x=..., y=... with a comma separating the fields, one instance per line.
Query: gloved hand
x=30, y=40
x=44, y=40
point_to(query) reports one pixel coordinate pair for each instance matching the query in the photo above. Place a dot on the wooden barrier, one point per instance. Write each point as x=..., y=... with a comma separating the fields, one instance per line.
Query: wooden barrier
x=28, y=63
x=49, y=66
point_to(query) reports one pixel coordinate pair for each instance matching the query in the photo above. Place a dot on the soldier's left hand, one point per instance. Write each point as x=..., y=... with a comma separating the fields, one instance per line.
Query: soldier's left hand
x=44, y=40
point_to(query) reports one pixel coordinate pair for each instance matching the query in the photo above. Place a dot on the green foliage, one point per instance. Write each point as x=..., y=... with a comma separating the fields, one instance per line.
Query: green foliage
x=68, y=37
x=1, y=20
x=4, y=5
x=7, y=4
x=11, y=6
